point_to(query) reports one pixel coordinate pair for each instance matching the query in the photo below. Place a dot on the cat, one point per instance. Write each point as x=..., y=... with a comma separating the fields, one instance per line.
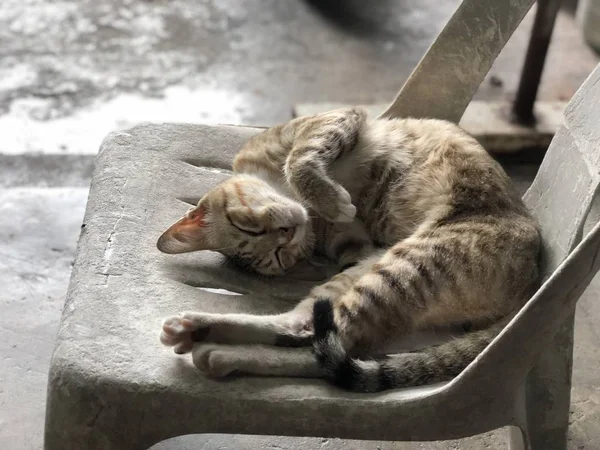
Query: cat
x=426, y=228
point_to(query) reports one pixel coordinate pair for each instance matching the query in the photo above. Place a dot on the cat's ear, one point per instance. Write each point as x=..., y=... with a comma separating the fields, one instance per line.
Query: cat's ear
x=188, y=234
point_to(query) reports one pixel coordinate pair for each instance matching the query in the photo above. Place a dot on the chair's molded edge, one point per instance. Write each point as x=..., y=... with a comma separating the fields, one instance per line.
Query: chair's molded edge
x=84, y=402
x=580, y=97
x=124, y=136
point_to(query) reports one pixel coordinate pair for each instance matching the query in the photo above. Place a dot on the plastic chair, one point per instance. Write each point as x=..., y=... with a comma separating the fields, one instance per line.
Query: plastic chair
x=111, y=386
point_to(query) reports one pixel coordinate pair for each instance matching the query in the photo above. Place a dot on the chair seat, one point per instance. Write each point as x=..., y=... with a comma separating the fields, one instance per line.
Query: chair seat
x=110, y=375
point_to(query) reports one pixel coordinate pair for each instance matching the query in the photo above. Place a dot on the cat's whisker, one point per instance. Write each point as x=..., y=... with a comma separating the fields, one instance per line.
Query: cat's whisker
x=220, y=249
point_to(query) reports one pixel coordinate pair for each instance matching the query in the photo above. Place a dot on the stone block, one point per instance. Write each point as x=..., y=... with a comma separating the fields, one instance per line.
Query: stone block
x=489, y=122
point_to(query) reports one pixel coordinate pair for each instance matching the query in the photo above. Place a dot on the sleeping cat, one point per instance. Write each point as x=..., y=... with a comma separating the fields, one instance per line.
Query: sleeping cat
x=425, y=227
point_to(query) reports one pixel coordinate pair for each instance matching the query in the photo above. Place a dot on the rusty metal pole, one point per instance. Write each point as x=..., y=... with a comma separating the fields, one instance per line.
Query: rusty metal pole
x=545, y=17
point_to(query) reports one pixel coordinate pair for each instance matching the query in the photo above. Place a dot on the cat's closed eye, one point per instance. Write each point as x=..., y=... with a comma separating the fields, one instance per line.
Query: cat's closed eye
x=251, y=232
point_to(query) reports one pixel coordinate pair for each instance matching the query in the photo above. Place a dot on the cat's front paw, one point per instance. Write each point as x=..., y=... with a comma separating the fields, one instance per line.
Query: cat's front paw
x=214, y=360
x=182, y=331
x=339, y=208
x=346, y=210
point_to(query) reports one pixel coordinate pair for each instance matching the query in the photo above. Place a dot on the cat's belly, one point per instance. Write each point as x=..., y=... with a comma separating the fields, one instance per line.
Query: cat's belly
x=385, y=228
x=375, y=181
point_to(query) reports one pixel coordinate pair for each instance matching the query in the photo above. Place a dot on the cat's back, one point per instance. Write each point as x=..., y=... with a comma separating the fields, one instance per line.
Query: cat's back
x=404, y=172
x=444, y=199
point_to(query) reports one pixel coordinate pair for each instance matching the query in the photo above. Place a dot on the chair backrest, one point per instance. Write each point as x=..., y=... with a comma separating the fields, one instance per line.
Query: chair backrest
x=445, y=80
x=560, y=197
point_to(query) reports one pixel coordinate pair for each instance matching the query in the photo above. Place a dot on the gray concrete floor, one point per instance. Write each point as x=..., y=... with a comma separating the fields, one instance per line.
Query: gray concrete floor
x=73, y=70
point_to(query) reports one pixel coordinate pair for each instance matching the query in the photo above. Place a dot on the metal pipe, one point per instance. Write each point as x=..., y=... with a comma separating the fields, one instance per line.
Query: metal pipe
x=545, y=17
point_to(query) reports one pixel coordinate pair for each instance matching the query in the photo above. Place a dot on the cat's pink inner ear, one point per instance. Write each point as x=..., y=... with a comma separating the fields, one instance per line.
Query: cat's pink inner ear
x=185, y=235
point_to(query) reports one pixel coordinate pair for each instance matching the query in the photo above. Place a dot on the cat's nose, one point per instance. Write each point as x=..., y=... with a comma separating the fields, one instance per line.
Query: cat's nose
x=290, y=234
x=286, y=234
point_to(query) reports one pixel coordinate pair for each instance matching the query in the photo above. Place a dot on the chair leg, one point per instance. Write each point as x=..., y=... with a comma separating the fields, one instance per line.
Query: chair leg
x=548, y=392
x=66, y=432
x=518, y=439
x=84, y=416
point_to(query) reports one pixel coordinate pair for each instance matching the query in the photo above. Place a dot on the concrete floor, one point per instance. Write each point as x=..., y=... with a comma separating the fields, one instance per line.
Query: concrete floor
x=72, y=70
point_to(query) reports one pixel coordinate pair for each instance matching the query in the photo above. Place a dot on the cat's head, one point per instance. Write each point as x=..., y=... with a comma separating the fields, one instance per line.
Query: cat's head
x=247, y=220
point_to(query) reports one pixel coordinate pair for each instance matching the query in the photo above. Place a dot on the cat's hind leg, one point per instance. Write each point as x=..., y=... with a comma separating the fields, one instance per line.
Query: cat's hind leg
x=291, y=329
x=220, y=360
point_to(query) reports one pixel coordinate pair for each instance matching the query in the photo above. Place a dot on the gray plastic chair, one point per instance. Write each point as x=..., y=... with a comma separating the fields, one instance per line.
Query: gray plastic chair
x=112, y=386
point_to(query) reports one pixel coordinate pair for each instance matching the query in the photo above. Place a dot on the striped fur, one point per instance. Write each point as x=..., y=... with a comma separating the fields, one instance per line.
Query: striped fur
x=425, y=226
x=430, y=365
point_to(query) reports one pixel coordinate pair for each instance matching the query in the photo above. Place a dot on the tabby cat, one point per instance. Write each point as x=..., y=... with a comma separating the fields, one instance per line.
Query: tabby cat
x=426, y=228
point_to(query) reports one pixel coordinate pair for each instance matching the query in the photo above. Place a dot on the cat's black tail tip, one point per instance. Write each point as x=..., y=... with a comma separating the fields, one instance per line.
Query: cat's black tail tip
x=323, y=318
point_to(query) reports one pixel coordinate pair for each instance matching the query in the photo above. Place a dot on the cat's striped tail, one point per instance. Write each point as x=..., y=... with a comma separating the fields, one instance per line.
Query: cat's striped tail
x=429, y=365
